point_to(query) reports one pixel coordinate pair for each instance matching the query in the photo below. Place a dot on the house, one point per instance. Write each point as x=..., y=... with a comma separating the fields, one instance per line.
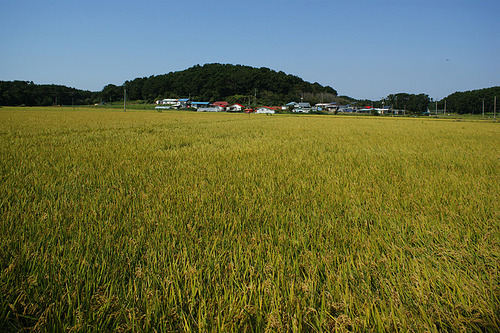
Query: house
x=321, y=106
x=169, y=102
x=291, y=105
x=349, y=108
x=221, y=104
x=384, y=110
x=211, y=108
x=330, y=107
x=365, y=109
x=302, y=107
x=265, y=109
x=197, y=105
x=183, y=102
x=236, y=108
x=299, y=107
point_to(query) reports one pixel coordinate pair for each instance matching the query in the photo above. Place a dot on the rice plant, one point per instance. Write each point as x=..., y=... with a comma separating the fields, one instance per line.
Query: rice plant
x=181, y=221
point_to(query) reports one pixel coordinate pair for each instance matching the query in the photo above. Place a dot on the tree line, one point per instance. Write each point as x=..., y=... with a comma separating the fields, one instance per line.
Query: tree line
x=31, y=94
x=458, y=102
x=471, y=101
x=235, y=84
x=413, y=103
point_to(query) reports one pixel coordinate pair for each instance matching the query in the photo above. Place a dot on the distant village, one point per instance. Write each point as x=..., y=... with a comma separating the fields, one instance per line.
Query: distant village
x=297, y=107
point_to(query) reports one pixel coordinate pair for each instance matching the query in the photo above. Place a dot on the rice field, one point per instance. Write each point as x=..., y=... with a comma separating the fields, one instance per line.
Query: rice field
x=196, y=222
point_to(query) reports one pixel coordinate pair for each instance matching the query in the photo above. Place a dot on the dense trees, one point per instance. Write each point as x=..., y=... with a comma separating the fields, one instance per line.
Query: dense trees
x=112, y=93
x=30, y=94
x=458, y=102
x=471, y=101
x=213, y=82
x=410, y=102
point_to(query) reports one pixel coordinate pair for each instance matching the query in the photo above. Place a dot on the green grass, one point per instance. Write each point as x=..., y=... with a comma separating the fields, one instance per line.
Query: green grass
x=130, y=106
x=185, y=221
x=488, y=116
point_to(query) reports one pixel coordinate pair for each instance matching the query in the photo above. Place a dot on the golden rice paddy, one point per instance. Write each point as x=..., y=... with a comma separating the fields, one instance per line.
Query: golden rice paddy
x=185, y=221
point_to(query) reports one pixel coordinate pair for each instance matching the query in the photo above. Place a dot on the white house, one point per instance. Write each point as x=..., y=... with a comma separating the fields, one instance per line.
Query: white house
x=265, y=109
x=327, y=106
x=169, y=101
x=211, y=109
x=183, y=102
x=173, y=102
x=300, y=107
x=236, y=108
x=384, y=110
x=198, y=105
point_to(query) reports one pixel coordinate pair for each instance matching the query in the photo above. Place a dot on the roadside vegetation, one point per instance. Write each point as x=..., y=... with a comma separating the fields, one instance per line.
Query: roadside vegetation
x=185, y=221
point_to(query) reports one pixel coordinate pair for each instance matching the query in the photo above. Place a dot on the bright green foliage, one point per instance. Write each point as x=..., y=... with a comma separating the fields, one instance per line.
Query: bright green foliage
x=181, y=221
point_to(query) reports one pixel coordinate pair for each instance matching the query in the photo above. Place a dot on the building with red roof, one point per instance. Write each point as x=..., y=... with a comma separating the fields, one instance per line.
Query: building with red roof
x=221, y=103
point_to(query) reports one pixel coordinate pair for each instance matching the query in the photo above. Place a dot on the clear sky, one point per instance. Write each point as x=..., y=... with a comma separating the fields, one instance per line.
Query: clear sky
x=361, y=48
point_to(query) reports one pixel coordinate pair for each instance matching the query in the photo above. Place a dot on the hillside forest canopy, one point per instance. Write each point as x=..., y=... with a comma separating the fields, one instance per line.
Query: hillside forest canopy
x=234, y=84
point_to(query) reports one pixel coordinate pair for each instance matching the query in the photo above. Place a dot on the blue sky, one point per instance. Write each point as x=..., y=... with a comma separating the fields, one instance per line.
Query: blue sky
x=363, y=49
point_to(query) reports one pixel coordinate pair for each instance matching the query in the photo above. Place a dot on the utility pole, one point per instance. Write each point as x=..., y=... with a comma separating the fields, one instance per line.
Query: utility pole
x=436, y=107
x=124, y=99
x=483, y=107
x=495, y=110
x=444, y=111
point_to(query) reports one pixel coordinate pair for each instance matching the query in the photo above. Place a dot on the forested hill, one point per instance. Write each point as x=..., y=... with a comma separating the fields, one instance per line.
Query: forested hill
x=472, y=101
x=31, y=94
x=233, y=83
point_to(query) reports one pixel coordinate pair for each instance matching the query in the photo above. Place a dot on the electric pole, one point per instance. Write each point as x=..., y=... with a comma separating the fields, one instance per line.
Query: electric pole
x=124, y=99
x=495, y=110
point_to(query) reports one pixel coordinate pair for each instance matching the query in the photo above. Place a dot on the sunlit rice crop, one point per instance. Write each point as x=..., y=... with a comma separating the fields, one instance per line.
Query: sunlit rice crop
x=181, y=221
